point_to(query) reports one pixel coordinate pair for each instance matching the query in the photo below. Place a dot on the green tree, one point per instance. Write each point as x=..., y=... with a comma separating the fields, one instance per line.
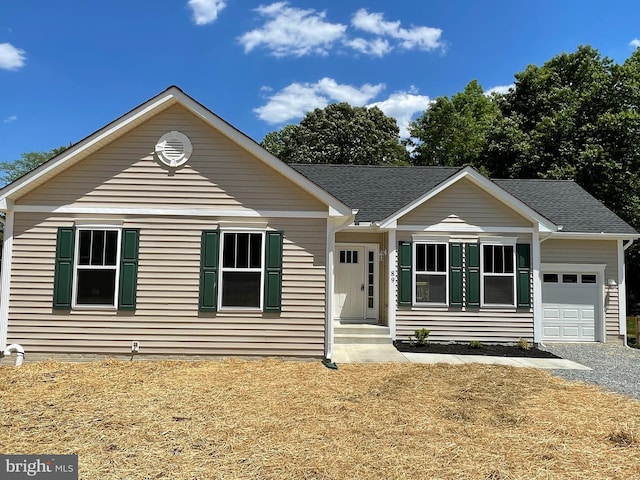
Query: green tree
x=340, y=134
x=10, y=171
x=454, y=131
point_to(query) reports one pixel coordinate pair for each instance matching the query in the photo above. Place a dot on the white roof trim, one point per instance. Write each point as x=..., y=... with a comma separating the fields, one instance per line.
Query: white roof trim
x=485, y=184
x=593, y=236
x=158, y=103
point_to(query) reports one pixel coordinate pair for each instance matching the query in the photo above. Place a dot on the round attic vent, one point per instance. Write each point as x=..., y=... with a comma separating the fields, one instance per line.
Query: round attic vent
x=174, y=149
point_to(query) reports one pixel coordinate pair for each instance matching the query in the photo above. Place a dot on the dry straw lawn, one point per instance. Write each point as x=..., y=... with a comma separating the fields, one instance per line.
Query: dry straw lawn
x=274, y=419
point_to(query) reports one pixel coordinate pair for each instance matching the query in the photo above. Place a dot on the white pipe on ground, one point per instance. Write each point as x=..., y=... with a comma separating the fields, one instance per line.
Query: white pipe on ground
x=14, y=347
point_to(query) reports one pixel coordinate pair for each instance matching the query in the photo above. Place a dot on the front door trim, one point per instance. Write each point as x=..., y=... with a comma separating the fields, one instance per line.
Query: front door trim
x=371, y=261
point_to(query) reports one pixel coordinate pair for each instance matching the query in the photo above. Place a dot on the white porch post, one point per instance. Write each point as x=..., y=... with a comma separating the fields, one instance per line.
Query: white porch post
x=329, y=282
x=537, y=288
x=7, y=249
x=622, y=293
x=392, y=282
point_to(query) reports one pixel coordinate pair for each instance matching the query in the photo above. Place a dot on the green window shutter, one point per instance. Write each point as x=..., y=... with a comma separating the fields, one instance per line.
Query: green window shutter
x=63, y=276
x=273, y=272
x=455, y=275
x=128, y=269
x=473, y=275
x=523, y=263
x=208, y=298
x=405, y=273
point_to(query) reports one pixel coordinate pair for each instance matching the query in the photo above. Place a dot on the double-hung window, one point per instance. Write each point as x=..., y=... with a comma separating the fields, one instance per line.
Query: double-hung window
x=498, y=275
x=430, y=273
x=97, y=267
x=242, y=278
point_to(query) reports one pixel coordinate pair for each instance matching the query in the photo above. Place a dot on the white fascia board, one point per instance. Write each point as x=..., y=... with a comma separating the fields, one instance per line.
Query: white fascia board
x=485, y=184
x=83, y=148
x=257, y=151
x=593, y=236
x=183, y=212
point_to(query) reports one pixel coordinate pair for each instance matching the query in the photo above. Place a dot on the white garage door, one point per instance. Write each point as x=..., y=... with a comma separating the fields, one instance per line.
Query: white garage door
x=570, y=306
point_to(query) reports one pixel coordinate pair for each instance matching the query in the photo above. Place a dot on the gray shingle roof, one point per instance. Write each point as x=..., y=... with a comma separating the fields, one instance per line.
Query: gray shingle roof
x=376, y=191
x=379, y=191
x=566, y=203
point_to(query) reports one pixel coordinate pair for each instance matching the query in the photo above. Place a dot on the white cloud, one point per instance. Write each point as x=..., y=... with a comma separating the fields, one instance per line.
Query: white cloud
x=502, y=89
x=377, y=47
x=635, y=43
x=206, y=11
x=295, y=100
x=11, y=58
x=293, y=31
x=10, y=119
x=403, y=106
x=421, y=38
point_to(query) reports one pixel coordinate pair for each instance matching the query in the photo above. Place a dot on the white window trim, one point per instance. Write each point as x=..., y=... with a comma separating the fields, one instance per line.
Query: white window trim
x=442, y=241
x=222, y=269
x=483, y=274
x=76, y=256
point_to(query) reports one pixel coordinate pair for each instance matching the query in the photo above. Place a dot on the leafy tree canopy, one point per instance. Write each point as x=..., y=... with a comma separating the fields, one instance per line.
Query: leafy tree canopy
x=454, y=131
x=340, y=134
x=10, y=171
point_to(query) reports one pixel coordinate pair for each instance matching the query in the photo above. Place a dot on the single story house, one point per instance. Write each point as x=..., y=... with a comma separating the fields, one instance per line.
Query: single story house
x=170, y=231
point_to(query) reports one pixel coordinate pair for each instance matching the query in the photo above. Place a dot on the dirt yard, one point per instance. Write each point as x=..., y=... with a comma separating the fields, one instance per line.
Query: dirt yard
x=272, y=419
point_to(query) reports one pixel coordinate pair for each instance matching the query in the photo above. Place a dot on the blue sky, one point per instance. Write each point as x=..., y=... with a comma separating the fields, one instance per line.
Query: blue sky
x=69, y=67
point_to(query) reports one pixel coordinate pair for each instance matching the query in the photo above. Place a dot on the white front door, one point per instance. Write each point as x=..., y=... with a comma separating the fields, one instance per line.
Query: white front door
x=356, y=281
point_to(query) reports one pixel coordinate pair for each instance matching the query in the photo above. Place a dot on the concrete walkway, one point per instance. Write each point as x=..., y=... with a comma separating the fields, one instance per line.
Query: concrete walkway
x=366, y=353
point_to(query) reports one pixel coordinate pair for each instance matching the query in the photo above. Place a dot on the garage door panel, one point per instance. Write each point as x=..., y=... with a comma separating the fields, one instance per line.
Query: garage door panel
x=570, y=331
x=551, y=331
x=570, y=313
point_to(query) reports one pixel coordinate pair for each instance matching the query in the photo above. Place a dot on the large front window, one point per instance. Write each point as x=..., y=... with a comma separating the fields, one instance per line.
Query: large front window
x=430, y=273
x=96, y=276
x=242, y=282
x=498, y=275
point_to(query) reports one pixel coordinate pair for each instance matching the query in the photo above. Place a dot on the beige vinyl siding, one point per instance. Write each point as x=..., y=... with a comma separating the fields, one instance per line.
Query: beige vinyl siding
x=449, y=325
x=464, y=203
x=611, y=311
x=586, y=252
x=167, y=320
x=219, y=174
x=498, y=325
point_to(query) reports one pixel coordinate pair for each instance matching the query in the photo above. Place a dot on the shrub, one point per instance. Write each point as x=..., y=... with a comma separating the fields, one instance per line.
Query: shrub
x=420, y=336
x=475, y=344
x=523, y=344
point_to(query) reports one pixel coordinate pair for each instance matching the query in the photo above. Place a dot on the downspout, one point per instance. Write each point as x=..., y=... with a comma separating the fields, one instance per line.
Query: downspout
x=332, y=228
x=622, y=290
x=7, y=254
x=14, y=347
x=537, y=240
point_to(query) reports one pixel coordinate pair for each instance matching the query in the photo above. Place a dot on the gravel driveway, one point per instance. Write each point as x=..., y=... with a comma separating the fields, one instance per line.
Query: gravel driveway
x=614, y=367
